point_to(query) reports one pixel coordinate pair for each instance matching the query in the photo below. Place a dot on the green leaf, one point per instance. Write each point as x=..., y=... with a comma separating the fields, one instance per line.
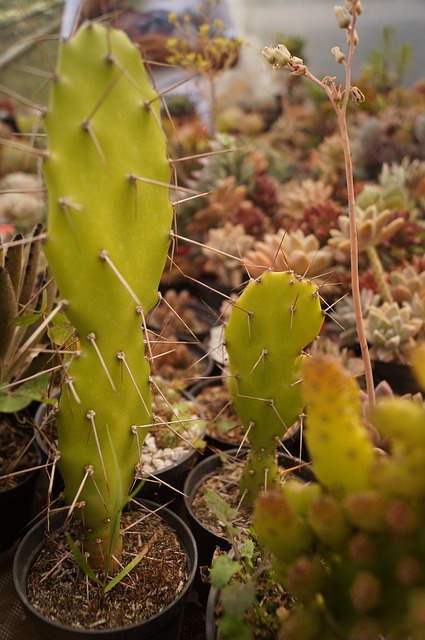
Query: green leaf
x=226, y=425
x=222, y=570
x=60, y=331
x=117, y=579
x=26, y=321
x=246, y=551
x=219, y=507
x=232, y=627
x=12, y=400
x=81, y=561
x=237, y=597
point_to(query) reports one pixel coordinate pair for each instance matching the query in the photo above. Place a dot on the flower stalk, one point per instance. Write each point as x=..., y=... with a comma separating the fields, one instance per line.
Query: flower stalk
x=339, y=98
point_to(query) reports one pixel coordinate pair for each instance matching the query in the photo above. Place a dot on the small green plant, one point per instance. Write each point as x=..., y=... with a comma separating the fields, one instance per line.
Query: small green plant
x=250, y=595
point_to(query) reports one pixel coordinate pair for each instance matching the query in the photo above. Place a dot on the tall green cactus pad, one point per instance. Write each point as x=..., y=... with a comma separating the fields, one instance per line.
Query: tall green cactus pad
x=109, y=218
x=337, y=440
x=273, y=320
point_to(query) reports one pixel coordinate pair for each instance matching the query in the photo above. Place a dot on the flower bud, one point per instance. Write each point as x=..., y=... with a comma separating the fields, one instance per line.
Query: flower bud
x=277, y=56
x=298, y=68
x=356, y=95
x=355, y=37
x=338, y=55
x=341, y=16
x=354, y=6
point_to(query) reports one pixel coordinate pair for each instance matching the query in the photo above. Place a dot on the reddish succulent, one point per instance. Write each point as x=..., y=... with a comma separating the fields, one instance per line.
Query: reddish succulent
x=264, y=194
x=408, y=240
x=319, y=219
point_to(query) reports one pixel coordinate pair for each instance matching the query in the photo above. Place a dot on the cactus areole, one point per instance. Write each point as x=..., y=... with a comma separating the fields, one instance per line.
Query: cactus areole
x=109, y=216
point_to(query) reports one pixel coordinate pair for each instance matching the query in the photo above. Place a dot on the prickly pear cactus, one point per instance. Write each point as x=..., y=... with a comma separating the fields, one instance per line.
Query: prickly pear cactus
x=349, y=548
x=337, y=439
x=273, y=320
x=109, y=217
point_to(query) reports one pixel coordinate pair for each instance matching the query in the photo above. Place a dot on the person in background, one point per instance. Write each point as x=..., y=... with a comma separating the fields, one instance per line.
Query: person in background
x=148, y=24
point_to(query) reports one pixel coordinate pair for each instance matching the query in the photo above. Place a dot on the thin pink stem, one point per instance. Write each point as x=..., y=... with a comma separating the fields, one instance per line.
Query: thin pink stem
x=341, y=113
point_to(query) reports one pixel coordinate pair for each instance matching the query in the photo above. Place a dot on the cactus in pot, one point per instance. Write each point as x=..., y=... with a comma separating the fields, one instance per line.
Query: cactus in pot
x=349, y=548
x=273, y=320
x=109, y=217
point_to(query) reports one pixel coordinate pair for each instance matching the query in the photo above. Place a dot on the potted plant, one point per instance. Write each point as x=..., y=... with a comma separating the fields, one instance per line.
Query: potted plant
x=108, y=180
x=27, y=295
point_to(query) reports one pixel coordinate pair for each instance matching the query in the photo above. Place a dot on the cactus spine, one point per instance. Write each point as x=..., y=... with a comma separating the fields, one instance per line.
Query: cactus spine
x=363, y=573
x=273, y=320
x=109, y=217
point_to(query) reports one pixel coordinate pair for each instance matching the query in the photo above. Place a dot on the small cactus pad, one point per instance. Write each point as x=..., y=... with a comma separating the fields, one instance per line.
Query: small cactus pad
x=337, y=440
x=271, y=323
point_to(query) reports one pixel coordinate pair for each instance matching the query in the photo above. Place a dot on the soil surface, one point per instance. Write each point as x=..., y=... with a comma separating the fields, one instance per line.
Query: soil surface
x=59, y=589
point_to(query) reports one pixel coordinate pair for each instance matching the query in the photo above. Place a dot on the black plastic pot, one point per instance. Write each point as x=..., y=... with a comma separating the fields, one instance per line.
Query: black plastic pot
x=16, y=504
x=165, y=625
x=399, y=376
x=210, y=614
x=206, y=539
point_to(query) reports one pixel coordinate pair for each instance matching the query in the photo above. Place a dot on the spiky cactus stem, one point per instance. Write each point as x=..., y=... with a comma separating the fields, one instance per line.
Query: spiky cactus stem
x=107, y=174
x=350, y=546
x=271, y=323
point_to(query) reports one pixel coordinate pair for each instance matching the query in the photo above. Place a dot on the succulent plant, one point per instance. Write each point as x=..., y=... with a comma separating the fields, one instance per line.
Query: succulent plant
x=373, y=227
x=223, y=248
x=392, y=331
x=228, y=203
x=328, y=158
x=297, y=196
x=406, y=282
x=270, y=325
x=319, y=219
x=108, y=234
x=348, y=547
x=288, y=250
x=343, y=320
